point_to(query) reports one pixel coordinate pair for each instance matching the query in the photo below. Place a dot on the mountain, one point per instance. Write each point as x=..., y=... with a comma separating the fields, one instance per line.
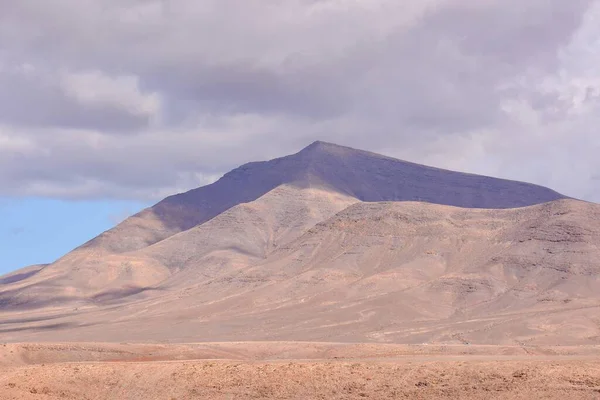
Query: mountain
x=363, y=175
x=330, y=243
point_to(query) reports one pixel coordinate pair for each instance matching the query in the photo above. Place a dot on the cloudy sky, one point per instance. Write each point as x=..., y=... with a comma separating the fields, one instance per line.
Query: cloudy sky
x=106, y=106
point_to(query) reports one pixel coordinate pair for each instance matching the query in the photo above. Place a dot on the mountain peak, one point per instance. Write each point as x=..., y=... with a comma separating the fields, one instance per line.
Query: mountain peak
x=328, y=148
x=320, y=146
x=324, y=150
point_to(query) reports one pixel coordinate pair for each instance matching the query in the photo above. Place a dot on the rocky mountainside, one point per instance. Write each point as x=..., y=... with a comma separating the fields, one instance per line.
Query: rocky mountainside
x=330, y=243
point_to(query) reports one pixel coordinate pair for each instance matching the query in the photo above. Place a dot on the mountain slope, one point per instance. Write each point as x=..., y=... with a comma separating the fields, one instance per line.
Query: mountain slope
x=236, y=238
x=414, y=272
x=403, y=272
x=247, y=232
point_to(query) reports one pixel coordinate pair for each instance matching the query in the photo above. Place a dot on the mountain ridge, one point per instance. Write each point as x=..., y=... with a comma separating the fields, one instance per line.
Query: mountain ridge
x=326, y=164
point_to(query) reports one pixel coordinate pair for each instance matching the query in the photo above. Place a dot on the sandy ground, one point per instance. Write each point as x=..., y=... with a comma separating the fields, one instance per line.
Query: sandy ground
x=284, y=370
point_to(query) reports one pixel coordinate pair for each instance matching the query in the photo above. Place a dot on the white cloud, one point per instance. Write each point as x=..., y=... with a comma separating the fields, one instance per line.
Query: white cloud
x=95, y=88
x=14, y=144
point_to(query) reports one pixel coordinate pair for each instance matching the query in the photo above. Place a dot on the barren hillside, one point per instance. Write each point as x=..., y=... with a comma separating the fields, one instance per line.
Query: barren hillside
x=401, y=272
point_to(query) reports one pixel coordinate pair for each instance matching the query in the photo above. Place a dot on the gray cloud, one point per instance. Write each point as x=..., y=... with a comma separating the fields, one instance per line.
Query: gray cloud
x=35, y=98
x=140, y=98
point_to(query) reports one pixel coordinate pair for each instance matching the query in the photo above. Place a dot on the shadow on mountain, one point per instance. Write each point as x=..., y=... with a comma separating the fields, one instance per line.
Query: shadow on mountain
x=11, y=301
x=18, y=277
x=33, y=319
x=116, y=295
x=49, y=327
